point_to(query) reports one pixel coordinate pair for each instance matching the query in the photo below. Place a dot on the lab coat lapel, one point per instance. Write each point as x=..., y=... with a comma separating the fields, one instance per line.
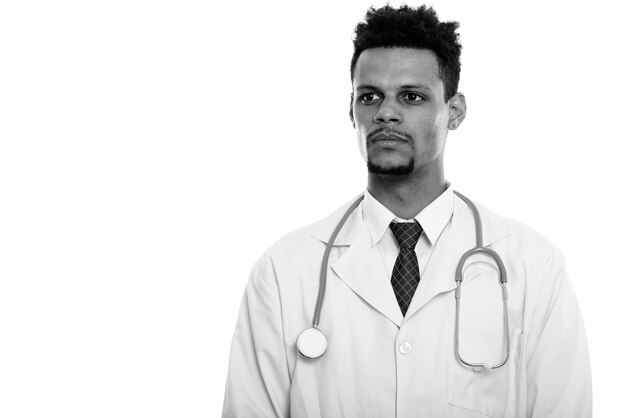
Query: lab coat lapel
x=438, y=277
x=361, y=267
x=458, y=237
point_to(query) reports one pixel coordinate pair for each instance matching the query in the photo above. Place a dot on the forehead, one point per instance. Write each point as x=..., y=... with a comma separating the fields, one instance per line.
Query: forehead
x=397, y=66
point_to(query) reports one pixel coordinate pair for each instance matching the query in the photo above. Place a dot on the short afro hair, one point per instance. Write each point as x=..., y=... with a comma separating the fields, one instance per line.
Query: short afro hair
x=407, y=27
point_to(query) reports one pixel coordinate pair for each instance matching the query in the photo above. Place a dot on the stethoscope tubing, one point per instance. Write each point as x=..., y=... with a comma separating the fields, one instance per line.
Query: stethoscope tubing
x=478, y=249
x=329, y=246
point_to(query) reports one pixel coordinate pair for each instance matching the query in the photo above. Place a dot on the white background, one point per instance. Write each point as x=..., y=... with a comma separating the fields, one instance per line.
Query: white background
x=150, y=151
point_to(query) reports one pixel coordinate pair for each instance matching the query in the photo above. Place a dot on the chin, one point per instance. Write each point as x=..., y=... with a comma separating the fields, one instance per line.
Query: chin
x=390, y=169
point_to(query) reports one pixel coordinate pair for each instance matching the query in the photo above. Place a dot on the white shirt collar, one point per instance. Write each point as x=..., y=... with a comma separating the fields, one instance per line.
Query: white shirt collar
x=433, y=218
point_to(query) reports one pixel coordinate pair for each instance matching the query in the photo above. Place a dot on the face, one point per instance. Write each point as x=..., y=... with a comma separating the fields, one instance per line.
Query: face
x=399, y=110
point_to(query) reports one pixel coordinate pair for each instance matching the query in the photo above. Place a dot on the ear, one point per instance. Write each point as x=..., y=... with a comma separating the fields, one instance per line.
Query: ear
x=352, y=110
x=457, y=108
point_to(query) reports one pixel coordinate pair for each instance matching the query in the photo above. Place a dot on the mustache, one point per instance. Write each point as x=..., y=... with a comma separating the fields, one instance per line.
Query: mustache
x=388, y=133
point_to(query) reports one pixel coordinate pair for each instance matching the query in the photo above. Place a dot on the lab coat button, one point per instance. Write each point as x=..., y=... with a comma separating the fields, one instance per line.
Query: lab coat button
x=405, y=348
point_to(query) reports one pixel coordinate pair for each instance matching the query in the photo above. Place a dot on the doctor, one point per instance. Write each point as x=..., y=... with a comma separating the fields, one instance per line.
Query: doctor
x=388, y=310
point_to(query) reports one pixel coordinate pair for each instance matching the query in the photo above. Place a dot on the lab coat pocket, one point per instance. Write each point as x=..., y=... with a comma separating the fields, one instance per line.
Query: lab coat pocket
x=482, y=392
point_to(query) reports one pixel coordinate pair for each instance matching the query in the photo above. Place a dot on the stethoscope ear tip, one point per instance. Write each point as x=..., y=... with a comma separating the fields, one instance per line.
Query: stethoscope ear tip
x=312, y=343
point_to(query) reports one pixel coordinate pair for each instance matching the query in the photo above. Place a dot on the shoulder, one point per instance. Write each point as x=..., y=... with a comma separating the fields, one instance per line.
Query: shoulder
x=319, y=232
x=520, y=240
x=309, y=240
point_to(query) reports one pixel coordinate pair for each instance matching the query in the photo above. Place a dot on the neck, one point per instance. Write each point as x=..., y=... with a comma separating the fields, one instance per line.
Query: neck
x=406, y=196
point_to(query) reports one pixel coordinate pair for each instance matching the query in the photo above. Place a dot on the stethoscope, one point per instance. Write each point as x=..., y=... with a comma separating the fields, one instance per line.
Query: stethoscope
x=312, y=342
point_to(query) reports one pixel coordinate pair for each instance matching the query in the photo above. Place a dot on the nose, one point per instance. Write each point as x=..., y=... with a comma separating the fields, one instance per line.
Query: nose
x=387, y=114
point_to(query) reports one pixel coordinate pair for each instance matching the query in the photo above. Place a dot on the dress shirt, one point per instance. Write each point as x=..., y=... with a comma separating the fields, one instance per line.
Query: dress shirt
x=433, y=219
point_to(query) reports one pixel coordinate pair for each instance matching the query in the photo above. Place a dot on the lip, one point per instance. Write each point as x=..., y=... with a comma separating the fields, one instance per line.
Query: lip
x=389, y=137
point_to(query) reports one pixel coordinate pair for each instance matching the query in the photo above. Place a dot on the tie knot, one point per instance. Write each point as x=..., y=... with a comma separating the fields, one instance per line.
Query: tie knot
x=406, y=233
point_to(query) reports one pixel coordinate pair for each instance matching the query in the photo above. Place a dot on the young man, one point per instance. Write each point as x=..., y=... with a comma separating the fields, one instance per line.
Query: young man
x=398, y=345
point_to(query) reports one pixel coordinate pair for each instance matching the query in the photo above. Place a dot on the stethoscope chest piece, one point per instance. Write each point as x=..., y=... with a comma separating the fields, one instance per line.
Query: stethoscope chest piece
x=312, y=343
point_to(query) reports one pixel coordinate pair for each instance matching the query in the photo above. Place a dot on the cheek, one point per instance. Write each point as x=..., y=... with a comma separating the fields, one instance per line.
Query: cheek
x=434, y=125
x=361, y=132
x=430, y=135
x=441, y=123
x=437, y=118
x=360, y=116
x=361, y=135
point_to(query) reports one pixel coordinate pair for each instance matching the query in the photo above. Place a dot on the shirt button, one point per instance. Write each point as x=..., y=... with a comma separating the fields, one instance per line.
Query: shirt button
x=405, y=348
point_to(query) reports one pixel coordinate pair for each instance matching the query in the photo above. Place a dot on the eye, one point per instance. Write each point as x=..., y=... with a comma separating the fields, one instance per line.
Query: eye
x=412, y=97
x=369, y=97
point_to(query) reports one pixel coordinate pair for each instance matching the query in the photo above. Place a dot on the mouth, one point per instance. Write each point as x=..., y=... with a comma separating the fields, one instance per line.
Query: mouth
x=389, y=139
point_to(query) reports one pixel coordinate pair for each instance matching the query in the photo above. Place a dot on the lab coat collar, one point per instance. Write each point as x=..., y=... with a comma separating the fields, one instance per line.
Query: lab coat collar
x=493, y=227
x=433, y=218
x=363, y=270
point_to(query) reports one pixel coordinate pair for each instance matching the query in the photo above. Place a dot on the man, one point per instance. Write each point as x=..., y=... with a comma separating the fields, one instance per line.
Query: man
x=389, y=307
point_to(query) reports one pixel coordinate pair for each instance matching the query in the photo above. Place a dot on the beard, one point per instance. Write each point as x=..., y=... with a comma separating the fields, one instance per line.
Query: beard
x=397, y=169
x=394, y=170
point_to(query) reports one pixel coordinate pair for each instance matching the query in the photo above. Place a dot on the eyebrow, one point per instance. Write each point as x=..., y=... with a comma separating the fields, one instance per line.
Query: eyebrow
x=405, y=86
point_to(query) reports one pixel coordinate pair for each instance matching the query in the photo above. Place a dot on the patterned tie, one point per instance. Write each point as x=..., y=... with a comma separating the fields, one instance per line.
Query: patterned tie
x=406, y=272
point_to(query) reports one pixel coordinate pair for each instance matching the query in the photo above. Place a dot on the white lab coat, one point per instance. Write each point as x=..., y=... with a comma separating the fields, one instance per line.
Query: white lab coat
x=379, y=364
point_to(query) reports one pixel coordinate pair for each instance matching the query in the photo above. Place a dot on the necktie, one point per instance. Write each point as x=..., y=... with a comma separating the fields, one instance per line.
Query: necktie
x=406, y=272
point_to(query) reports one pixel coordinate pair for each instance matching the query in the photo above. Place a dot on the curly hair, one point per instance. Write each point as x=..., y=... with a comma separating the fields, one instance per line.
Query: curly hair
x=408, y=27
